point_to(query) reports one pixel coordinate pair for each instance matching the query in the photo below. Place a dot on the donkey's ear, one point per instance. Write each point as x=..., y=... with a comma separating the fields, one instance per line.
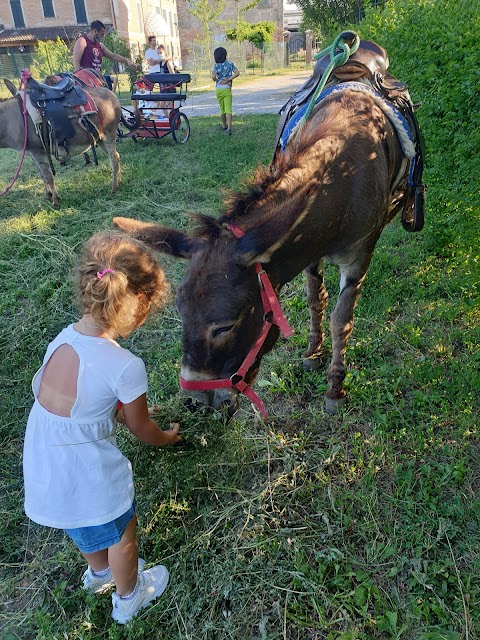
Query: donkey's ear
x=11, y=87
x=164, y=239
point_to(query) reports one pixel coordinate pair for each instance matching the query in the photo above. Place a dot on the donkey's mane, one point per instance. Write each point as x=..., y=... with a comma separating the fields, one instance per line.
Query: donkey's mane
x=330, y=120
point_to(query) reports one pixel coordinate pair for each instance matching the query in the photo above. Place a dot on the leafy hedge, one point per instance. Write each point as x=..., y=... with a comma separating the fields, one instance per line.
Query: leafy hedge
x=435, y=45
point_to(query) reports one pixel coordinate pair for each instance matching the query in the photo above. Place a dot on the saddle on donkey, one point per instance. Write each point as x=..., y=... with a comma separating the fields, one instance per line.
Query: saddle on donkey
x=366, y=70
x=53, y=105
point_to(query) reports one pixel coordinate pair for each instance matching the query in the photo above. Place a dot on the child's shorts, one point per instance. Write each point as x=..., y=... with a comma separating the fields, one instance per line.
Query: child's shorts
x=102, y=536
x=224, y=97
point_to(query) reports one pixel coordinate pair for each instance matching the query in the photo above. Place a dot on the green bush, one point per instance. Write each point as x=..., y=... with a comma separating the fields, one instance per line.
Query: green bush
x=435, y=46
x=51, y=57
x=116, y=44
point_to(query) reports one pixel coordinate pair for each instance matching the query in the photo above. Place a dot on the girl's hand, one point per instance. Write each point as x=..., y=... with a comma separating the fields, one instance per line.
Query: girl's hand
x=172, y=434
x=142, y=426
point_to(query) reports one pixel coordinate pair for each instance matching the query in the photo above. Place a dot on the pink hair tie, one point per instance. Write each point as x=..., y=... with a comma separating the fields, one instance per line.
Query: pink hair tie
x=100, y=274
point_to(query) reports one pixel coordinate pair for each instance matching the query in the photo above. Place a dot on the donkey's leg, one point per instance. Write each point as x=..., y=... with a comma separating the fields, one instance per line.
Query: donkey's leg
x=110, y=149
x=44, y=169
x=341, y=326
x=317, y=297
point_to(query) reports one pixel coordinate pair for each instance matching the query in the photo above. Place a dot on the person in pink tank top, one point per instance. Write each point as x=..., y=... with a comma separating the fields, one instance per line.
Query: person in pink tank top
x=89, y=51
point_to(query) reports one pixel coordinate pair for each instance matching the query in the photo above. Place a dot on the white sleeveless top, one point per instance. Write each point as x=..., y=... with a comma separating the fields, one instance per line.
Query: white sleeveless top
x=74, y=473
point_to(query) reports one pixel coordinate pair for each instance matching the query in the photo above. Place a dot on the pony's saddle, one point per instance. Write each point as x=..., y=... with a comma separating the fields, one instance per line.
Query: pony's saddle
x=53, y=100
x=369, y=65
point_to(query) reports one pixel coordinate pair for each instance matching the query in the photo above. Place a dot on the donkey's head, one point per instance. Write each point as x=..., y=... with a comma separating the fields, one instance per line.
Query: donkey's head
x=219, y=302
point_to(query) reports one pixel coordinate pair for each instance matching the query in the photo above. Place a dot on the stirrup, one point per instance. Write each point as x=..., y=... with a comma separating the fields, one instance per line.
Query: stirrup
x=413, y=216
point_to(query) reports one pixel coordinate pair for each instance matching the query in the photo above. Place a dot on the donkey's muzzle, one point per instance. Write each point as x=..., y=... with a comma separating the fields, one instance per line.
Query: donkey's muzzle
x=223, y=400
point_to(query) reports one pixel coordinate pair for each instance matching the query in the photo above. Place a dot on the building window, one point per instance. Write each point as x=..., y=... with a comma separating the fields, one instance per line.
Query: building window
x=80, y=11
x=48, y=11
x=17, y=13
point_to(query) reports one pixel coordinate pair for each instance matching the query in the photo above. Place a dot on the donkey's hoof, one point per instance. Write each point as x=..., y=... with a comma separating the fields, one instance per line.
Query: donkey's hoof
x=313, y=363
x=333, y=406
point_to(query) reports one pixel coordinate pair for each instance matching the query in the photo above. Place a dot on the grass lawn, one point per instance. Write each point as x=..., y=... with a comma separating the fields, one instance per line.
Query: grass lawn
x=304, y=527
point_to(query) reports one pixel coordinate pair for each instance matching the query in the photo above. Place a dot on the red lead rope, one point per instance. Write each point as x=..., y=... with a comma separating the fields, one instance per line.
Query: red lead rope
x=270, y=304
x=24, y=78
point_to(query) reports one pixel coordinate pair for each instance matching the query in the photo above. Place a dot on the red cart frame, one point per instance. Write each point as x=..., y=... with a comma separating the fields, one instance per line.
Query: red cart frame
x=169, y=88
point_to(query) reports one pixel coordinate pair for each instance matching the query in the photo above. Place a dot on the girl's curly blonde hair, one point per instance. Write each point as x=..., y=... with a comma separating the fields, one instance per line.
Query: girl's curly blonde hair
x=119, y=281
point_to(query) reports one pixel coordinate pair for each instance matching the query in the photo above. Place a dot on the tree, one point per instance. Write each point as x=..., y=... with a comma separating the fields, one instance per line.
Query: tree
x=206, y=11
x=116, y=44
x=323, y=15
x=51, y=57
x=250, y=4
x=259, y=33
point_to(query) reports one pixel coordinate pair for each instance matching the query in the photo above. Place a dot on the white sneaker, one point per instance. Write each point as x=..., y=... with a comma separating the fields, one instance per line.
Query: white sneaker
x=151, y=584
x=100, y=584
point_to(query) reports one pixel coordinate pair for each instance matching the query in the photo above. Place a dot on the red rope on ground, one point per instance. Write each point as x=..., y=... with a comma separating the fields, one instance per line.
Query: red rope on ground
x=24, y=77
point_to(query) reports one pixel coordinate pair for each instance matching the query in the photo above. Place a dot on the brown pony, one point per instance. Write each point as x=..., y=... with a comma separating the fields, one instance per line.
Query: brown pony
x=107, y=120
x=327, y=197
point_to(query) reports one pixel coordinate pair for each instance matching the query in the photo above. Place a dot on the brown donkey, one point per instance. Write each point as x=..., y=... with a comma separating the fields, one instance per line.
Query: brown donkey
x=106, y=121
x=327, y=197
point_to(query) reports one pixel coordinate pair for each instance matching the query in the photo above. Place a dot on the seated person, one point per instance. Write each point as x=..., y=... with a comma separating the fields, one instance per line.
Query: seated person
x=148, y=109
x=166, y=66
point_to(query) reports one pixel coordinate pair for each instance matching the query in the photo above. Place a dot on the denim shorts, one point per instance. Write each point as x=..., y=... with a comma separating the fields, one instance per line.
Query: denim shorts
x=102, y=536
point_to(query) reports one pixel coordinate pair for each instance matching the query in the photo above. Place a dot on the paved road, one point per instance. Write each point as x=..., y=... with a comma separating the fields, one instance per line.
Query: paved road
x=265, y=94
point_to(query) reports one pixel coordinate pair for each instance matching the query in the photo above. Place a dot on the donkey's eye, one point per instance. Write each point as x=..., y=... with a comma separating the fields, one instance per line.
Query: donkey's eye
x=219, y=330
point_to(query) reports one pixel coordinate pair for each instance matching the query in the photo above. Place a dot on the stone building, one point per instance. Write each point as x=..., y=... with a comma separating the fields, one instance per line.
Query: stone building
x=190, y=28
x=24, y=22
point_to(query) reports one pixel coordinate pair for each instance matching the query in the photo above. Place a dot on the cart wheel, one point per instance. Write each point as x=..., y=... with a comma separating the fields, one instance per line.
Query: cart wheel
x=180, y=128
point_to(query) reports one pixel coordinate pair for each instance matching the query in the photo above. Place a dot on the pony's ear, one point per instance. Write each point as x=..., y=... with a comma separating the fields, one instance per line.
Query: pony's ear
x=164, y=239
x=11, y=87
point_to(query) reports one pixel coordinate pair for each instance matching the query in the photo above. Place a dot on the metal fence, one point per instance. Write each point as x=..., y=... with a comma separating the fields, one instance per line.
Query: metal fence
x=246, y=57
x=12, y=61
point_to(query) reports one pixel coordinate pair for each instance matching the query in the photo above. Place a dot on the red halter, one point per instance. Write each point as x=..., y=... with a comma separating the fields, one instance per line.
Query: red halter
x=270, y=304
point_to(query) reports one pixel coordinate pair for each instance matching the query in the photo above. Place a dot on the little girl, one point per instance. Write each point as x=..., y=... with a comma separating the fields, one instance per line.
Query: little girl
x=76, y=478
